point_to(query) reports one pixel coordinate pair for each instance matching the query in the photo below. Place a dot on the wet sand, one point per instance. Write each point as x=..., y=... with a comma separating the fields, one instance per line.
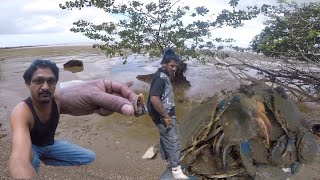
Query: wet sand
x=118, y=141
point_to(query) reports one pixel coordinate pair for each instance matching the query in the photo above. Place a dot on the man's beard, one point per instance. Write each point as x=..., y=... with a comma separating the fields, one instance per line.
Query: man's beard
x=47, y=99
x=44, y=101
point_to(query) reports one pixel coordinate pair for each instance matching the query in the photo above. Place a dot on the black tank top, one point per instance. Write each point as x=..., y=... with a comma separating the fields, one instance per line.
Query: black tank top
x=42, y=134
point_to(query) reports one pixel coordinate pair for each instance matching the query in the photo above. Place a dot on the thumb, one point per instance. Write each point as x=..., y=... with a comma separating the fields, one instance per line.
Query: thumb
x=127, y=109
x=113, y=103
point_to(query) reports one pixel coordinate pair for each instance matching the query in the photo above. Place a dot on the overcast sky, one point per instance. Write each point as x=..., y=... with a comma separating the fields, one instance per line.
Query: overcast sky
x=42, y=22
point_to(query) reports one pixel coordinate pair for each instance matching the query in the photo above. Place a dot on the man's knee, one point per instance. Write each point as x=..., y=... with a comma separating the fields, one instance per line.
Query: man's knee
x=90, y=157
x=173, y=136
x=35, y=161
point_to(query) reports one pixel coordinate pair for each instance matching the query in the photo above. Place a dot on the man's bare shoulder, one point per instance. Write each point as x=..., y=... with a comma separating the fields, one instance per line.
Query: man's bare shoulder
x=21, y=114
x=21, y=106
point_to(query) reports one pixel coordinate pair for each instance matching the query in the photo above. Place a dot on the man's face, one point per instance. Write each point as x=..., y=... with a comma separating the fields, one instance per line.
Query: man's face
x=171, y=67
x=43, y=85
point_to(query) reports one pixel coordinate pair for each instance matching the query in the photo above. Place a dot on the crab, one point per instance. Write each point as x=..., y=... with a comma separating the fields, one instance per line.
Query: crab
x=252, y=131
x=139, y=105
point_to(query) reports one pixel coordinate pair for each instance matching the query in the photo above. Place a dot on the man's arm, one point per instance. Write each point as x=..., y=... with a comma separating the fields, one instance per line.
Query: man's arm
x=20, y=166
x=157, y=104
x=99, y=96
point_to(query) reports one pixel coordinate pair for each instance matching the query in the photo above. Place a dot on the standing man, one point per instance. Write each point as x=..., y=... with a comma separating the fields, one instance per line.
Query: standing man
x=161, y=108
x=35, y=119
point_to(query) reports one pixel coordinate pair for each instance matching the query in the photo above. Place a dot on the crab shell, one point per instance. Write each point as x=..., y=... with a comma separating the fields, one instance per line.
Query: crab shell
x=276, y=157
x=307, y=147
x=195, y=121
x=139, y=105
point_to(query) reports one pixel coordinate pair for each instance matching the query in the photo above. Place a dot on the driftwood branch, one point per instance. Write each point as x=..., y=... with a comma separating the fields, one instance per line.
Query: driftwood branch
x=302, y=83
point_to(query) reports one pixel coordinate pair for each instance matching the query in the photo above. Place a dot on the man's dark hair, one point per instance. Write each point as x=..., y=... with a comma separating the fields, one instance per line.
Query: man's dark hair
x=39, y=63
x=169, y=55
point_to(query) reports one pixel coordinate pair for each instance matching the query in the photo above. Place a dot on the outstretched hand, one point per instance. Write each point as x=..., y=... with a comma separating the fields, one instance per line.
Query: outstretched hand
x=103, y=97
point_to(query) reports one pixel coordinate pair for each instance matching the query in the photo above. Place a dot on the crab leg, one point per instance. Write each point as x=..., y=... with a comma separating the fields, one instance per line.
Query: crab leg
x=214, y=142
x=230, y=172
x=214, y=133
x=224, y=156
x=295, y=166
x=189, y=158
x=246, y=157
x=219, y=144
x=290, y=145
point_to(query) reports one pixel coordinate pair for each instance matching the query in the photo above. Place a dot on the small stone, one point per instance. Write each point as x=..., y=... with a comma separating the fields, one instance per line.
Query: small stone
x=129, y=122
x=3, y=135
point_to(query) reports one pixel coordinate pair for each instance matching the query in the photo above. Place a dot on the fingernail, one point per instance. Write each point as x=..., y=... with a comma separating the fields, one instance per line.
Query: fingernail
x=127, y=110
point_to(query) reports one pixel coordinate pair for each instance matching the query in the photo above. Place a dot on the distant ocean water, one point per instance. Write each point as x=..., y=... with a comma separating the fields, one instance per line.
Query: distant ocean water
x=18, y=40
x=70, y=38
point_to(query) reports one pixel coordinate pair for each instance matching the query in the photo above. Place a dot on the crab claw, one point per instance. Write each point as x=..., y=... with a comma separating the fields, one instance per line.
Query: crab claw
x=263, y=121
x=139, y=105
x=255, y=110
x=264, y=129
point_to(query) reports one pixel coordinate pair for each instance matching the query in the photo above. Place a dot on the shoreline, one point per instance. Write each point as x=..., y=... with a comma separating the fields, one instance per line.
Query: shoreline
x=48, y=45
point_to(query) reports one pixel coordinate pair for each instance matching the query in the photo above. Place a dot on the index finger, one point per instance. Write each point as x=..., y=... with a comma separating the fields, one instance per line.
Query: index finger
x=120, y=89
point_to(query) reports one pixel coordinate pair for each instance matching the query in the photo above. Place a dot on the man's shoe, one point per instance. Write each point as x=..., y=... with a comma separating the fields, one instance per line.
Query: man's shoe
x=178, y=173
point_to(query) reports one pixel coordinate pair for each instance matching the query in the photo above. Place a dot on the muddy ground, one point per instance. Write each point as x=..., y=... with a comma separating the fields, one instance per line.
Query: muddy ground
x=118, y=141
